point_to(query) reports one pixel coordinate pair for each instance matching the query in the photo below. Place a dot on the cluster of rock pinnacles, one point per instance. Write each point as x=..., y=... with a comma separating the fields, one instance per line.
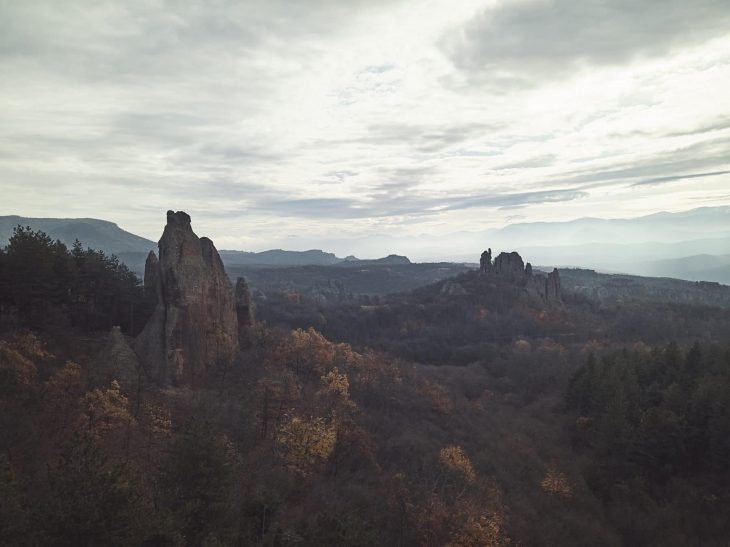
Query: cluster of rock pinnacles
x=510, y=267
x=198, y=320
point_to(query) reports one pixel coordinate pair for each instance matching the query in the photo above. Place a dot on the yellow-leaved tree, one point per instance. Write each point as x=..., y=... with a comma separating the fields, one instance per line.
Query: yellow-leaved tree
x=304, y=444
x=106, y=410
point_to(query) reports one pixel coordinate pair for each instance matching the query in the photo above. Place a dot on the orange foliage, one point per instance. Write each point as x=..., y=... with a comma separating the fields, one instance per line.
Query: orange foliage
x=437, y=396
x=556, y=483
x=455, y=459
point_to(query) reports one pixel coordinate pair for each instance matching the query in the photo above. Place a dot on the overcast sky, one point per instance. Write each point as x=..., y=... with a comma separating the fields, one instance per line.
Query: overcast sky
x=301, y=123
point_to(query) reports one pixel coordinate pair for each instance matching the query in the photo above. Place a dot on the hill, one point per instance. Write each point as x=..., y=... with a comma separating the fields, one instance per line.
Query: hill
x=667, y=227
x=280, y=257
x=700, y=267
x=97, y=234
x=132, y=249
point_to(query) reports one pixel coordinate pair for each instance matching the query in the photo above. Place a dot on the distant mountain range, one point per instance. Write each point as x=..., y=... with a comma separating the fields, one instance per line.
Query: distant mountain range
x=279, y=257
x=133, y=249
x=696, y=224
x=693, y=268
x=692, y=245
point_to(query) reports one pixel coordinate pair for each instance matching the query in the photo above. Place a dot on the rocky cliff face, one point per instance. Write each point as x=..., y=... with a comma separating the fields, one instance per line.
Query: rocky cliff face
x=193, y=330
x=509, y=267
x=553, y=290
x=152, y=287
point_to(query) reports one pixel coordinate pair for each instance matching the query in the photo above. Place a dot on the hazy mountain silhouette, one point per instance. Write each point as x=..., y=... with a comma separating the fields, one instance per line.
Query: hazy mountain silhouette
x=692, y=245
x=101, y=235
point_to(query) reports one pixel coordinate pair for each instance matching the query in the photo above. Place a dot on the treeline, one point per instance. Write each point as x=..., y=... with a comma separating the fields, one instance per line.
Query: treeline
x=43, y=285
x=656, y=425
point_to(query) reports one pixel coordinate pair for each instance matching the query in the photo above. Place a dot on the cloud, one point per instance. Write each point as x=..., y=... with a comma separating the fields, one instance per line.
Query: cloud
x=319, y=117
x=382, y=207
x=424, y=138
x=530, y=163
x=662, y=166
x=664, y=180
x=532, y=40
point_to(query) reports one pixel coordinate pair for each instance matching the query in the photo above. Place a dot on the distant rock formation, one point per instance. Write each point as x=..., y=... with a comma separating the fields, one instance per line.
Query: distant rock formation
x=511, y=268
x=485, y=262
x=244, y=312
x=553, y=290
x=193, y=330
x=510, y=265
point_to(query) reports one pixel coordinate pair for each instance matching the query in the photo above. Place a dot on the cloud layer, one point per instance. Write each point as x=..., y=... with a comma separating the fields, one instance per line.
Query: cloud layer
x=283, y=123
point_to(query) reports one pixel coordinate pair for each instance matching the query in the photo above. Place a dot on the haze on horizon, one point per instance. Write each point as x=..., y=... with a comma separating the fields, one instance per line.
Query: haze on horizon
x=322, y=123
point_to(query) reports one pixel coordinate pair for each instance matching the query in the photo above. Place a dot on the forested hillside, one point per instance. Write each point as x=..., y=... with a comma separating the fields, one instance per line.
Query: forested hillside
x=469, y=413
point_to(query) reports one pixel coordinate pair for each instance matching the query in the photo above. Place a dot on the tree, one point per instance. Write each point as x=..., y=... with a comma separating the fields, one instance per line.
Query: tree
x=91, y=500
x=49, y=285
x=304, y=444
x=13, y=509
x=199, y=482
x=36, y=274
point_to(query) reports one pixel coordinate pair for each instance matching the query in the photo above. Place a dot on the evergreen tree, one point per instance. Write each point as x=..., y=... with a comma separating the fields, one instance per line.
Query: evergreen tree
x=199, y=483
x=92, y=501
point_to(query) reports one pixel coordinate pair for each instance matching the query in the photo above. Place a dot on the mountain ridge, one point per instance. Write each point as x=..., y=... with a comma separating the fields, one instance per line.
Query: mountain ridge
x=659, y=243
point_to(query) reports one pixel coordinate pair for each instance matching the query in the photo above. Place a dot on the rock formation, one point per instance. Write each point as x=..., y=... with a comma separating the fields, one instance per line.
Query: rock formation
x=193, y=329
x=244, y=312
x=152, y=285
x=553, y=290
x=509, y=267
x=485, y=262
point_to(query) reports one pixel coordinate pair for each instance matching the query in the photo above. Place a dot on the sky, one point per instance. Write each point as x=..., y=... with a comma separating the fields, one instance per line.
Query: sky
x=326, y=124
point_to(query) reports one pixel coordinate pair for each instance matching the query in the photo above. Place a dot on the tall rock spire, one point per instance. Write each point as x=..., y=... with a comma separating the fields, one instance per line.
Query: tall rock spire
x=193, y=330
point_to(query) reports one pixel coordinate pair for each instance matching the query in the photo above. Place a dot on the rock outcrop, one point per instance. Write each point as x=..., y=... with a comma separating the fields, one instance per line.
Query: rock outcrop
x=510, y=268
x=553, y=290
x=244, y=313
x=485, y=261
x=152, y=285
x=193, y=329
x=509, y=265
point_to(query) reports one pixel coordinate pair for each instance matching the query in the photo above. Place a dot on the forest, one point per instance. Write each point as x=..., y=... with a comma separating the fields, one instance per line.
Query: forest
x=456, y=414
